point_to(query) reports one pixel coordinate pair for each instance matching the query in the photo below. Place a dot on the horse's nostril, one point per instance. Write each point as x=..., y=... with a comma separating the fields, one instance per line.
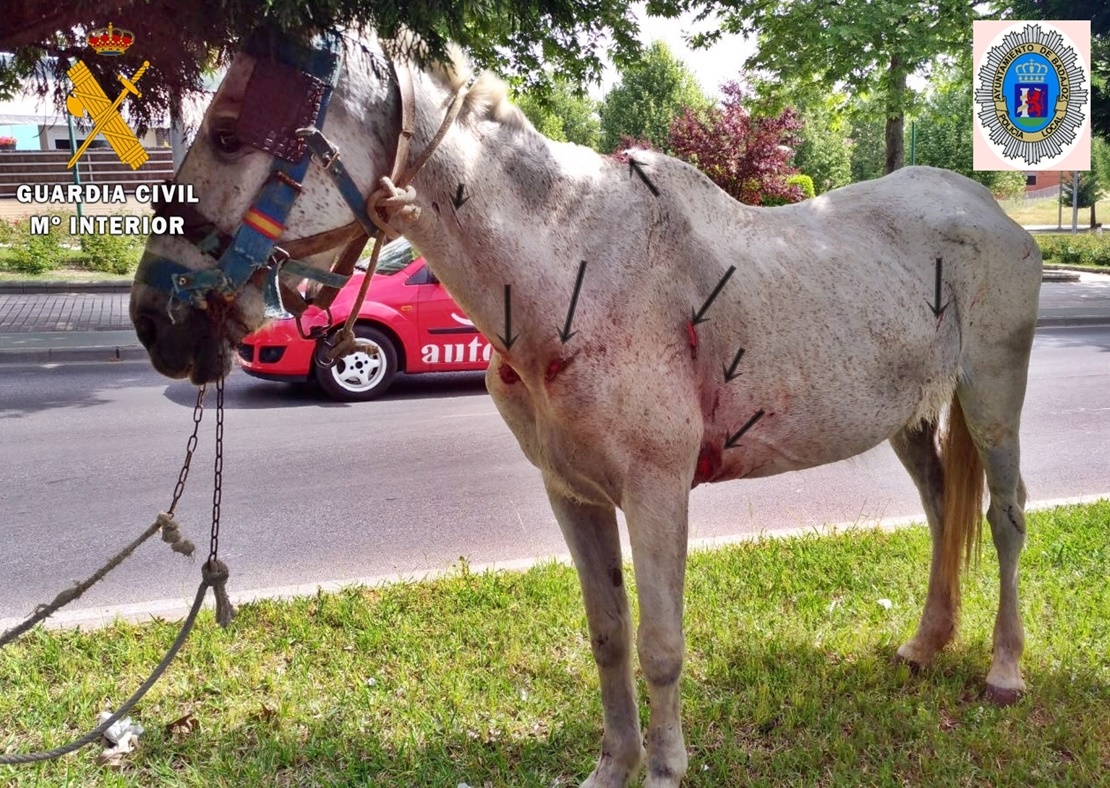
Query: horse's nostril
x=147, y=329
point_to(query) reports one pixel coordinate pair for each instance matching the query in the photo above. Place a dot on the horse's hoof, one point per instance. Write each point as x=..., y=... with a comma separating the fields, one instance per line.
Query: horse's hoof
x=1003, y=696
x=914, y=666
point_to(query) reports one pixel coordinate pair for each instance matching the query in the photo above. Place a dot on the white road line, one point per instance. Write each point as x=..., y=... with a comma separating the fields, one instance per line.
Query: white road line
x=175, y=609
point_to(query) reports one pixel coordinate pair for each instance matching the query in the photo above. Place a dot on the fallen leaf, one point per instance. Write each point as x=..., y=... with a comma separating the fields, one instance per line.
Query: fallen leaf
x=183, y=725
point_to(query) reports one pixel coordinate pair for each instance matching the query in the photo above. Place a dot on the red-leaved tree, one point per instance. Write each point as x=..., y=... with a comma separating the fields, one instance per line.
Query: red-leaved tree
x=747, y=157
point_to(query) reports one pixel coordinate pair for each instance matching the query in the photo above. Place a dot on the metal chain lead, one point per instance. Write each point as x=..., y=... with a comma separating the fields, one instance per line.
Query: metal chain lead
x=198, y=414
x=217, y=486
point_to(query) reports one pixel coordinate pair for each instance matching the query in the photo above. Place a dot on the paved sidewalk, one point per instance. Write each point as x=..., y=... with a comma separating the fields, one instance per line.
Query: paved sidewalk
x=91, y=322
x=65, y=311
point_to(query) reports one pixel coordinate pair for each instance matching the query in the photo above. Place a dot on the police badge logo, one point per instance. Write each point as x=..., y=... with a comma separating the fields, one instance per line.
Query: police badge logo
x=1032, y=89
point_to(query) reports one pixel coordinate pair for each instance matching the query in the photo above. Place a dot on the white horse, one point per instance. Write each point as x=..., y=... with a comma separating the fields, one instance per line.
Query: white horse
x=833, y=301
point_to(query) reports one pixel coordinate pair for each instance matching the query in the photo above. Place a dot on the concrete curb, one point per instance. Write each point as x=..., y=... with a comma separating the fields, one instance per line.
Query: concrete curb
x=98, y=353
x=1053, y=275
x=31, y=287
x=1073, y=322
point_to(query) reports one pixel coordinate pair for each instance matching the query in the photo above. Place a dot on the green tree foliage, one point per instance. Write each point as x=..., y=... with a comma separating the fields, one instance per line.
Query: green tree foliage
x=1093, y=184
x=824, y=152
x=651, y=93
x=868, y=139
x=943, y=135
x=570, y=37
x=562, y=114
x=868, y=47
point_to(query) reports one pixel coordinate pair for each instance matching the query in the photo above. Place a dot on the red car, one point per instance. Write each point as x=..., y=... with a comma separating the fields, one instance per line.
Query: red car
x=408, y=323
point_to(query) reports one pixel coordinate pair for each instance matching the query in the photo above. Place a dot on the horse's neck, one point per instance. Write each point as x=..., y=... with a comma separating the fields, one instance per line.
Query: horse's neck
x=507, y=224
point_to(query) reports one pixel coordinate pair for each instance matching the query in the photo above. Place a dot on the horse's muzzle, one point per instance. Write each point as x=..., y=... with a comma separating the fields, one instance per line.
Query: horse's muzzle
x=186, y=346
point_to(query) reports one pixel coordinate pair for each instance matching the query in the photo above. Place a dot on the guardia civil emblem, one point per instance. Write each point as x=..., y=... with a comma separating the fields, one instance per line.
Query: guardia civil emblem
x=1031, y=95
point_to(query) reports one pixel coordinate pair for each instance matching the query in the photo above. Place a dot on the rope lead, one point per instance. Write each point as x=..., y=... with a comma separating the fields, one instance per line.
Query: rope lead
x=171, y=534
x=215, y=574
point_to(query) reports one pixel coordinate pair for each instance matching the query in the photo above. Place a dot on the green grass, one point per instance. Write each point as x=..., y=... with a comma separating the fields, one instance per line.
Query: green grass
x=487, y=679
x=1047, y=211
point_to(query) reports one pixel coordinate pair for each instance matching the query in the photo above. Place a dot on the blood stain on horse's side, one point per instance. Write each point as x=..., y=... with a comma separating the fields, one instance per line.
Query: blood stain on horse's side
x=508, y=375
x=692, y=338
x=555, y=366
x=708, y=465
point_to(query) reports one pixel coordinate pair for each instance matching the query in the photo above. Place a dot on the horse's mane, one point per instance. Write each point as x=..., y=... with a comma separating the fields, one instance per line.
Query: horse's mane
x=488, y=96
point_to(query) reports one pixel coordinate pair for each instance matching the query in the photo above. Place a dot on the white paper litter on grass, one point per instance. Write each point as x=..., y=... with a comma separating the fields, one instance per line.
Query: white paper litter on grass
x=120, y=728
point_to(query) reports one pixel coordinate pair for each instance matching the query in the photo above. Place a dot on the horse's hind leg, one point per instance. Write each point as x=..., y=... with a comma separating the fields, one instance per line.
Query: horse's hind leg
x=592, y=536
x=1006, y=516
x=917, y=450
x=991, y=395
x=994, y=428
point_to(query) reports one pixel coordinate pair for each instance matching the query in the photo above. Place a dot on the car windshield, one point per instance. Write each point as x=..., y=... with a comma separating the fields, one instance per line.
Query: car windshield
x=394, y=256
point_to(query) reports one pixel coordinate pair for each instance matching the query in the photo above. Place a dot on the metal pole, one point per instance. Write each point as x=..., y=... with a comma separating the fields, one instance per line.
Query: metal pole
x=913, y=142
x=76, y=165
x=1060, y=204
x=1075, y=202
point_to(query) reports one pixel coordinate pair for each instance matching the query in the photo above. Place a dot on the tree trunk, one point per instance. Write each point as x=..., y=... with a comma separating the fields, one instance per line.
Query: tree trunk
x=896, y=117
x=178, y=144
x=1093, y=216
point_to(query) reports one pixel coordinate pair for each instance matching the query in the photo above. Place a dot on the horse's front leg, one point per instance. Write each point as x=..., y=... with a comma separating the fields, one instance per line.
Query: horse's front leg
x=656, y=508
x=594, y=542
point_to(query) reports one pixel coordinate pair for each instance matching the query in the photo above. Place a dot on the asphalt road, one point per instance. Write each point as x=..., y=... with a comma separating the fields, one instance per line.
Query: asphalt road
x=319, y=491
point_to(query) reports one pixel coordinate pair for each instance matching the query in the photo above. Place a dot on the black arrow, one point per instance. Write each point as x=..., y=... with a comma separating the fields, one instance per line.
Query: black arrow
x=565, y=333
x=938, y=310
x=636, y=165
x=731, y=372
x=508, y=339
x=730, y=442
x=698, y=317
x=459, y=199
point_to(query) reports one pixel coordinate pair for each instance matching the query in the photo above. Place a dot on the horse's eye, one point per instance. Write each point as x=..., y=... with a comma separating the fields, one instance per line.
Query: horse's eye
x=225, y=140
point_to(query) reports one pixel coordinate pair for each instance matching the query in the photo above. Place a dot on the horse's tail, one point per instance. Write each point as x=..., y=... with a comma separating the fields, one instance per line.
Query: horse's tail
x=963, y=501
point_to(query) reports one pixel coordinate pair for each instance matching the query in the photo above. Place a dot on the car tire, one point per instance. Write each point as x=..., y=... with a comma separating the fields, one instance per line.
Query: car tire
x=364, y=373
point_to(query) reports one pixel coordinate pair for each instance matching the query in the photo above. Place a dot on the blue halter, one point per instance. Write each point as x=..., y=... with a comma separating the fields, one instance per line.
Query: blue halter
x=252, y=248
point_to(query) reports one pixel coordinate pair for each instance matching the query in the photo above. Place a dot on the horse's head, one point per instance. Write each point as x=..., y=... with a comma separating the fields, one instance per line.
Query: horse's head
x=197, y=295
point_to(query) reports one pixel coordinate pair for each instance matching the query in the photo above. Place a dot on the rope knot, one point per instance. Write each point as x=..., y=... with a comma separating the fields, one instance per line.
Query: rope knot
x=171, y=533
x=215, y=574
x=395, y=203
x=345, y=343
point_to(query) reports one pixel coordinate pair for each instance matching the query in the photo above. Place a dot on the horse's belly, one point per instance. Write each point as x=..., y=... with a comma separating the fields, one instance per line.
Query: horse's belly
x=789, y=423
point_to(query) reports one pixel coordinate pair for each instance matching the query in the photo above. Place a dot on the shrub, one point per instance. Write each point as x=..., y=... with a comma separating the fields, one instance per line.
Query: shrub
x=1085, y=249
x=9, y=230
x=112, y=254
x=34, y=254
x=804, y=181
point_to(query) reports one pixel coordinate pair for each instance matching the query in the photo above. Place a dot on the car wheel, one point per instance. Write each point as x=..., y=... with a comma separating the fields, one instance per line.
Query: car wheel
x=364, y=373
